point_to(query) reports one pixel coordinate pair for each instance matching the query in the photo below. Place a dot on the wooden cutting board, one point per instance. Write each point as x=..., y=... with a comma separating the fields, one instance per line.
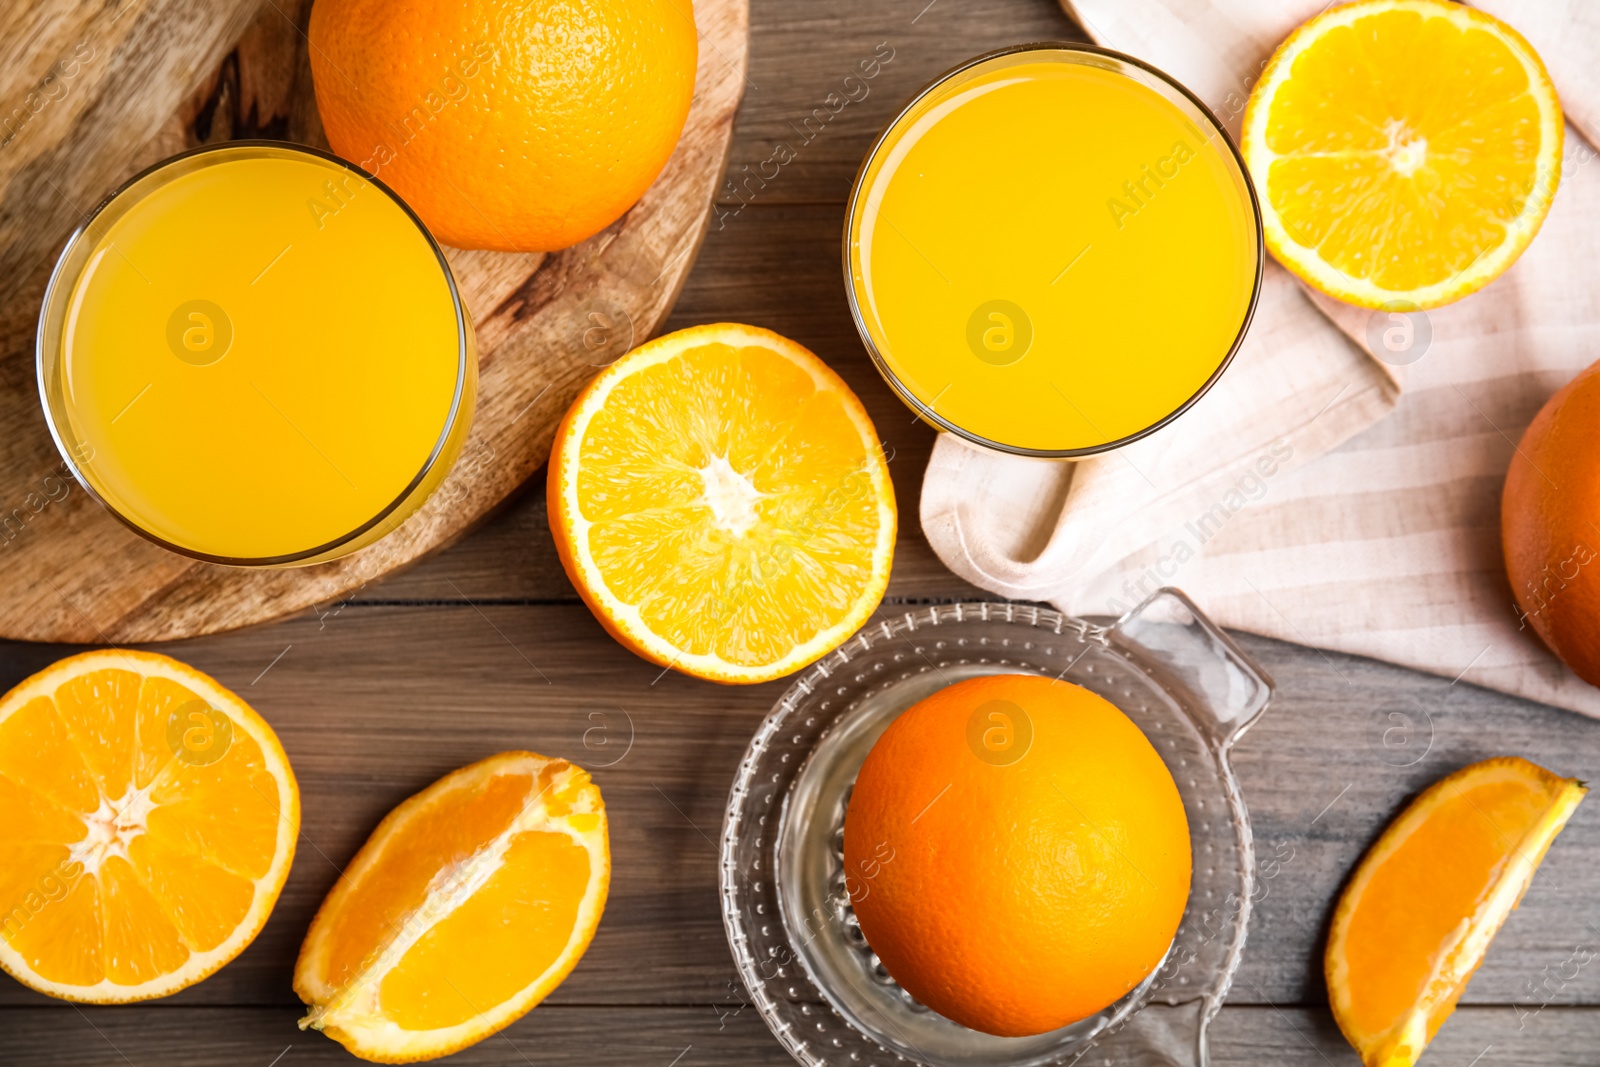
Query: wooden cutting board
x=92, y=91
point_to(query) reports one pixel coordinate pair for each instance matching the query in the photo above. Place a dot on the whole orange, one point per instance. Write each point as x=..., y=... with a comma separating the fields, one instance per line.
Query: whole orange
x=1017, y=853
x=1548, y=524
x=517, y=125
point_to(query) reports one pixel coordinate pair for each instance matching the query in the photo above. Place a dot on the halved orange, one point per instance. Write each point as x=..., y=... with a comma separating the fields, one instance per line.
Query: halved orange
x=721, y=501
x=148, y=819
x=1405, y=151
x=1418, y=915
x=468, y=904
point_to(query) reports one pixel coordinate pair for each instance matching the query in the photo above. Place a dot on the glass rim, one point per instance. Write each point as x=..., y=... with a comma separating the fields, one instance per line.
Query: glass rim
x=53, y=304
x=857, y=189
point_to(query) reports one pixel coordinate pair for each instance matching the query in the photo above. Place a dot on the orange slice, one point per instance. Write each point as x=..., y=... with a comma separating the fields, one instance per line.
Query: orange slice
x=1405, y=151
x=1429, y=896
x=147, y=822
x=468, y=904
x=720, y=499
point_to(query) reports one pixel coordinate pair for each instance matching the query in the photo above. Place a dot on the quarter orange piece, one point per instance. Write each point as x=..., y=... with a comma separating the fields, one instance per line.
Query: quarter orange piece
x=721, y=502
x=1405, y=151
x=1017, y=853
x=468, y=904
x=148, y=819
x=517, y=125
x=1418, y=915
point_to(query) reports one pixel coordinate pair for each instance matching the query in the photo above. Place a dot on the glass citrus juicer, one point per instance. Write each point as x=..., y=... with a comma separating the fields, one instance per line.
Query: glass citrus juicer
x=798, y=948
x=254, y=354
x=1053, y=250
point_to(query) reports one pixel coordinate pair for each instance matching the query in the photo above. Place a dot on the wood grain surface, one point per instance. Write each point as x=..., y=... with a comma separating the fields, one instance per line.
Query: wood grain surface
x=485, y=647
x=130, y=88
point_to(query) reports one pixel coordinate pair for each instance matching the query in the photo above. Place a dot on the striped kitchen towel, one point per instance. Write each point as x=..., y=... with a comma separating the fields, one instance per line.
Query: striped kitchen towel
x=1319, y=493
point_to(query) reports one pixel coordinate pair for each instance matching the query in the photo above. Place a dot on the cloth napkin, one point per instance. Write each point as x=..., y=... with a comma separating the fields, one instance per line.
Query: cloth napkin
x=1319, y=494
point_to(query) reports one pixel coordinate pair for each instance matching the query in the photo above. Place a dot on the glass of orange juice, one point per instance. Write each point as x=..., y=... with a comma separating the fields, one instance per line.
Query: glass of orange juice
x=1053, y=250
x=254, y=354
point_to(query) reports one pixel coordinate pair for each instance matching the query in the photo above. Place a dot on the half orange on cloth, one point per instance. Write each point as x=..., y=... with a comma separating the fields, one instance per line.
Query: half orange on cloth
x=148, y=819
x=1405, y=151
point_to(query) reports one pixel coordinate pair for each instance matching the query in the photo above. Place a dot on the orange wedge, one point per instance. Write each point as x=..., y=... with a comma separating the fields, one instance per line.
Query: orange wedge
x=147, y=822
x=468, y=904
x=1405, y=151
x=1428, y=897
x=720, y=499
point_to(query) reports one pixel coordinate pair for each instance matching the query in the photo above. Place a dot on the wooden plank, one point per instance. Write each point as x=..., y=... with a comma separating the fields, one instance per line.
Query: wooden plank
x=363, y=733
x=1472, y=1037
x=252, y=1037
x=715, y=1036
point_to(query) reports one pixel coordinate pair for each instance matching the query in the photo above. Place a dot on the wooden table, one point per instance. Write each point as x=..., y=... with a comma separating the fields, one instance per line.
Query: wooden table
x=486, y=647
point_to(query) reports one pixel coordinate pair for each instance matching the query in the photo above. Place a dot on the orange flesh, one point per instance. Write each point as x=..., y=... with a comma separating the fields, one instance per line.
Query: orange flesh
x=466, y=899
x=467, y=963
x=441, y=837
x=1435, y=881
x=796, y=461
x=1423, y=906
x=1481, y=137
x=1404, y=150
x=188, y=878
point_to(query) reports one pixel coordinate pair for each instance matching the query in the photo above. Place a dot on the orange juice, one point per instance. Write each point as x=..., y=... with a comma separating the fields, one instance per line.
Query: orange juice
x=255, y=354
x=1052, y=251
